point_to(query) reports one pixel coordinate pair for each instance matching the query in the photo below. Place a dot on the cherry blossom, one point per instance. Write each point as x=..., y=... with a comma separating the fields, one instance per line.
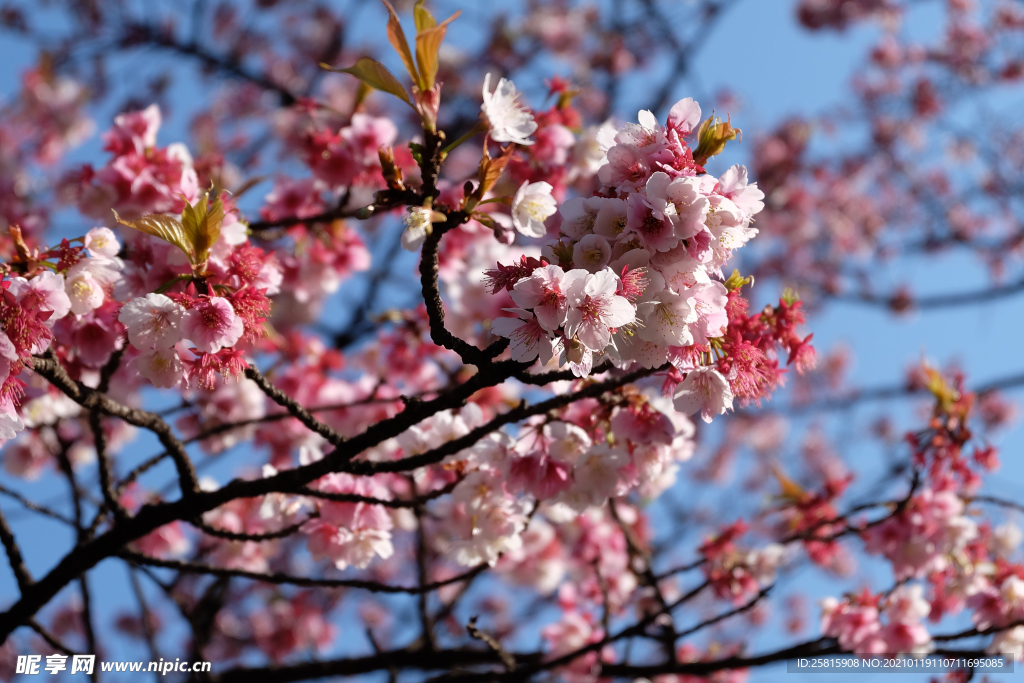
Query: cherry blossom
x=102, y=243
x=212, y=324
x=417, y=227
x=926, y=537
x=531, y=206
x=704, y=390
x=529, y=339
x=594, y=309
x=152, y=321
x=161, y=366
x=544, y=292
x=506, y=117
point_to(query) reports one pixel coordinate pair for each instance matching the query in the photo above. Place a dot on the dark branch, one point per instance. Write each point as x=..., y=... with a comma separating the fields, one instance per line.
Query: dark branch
x=90, y=399
x=280, y=578
x=14, y=557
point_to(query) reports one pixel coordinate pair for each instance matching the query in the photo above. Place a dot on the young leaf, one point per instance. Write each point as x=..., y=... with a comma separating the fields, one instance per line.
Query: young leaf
x=422, y=16
x=491, y=169
x=790, y=489
x=397, y=38
x=376, y=75
x=164, y=227
x=202, y=222
x=362, y=92
x=428, y=43
x=192, y=217
x=417, y=152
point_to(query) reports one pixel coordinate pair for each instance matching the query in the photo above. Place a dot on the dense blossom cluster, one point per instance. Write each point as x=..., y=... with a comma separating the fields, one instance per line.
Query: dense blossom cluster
x=856, y=622
x=633, y=274
x=927, y=535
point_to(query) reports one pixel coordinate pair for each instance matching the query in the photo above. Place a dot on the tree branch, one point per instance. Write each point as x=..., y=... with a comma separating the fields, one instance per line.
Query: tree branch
x=256, y=538
x=14, y=557
x=137, y=32
x=293, y=408
x=88, y=398
x=280, y=578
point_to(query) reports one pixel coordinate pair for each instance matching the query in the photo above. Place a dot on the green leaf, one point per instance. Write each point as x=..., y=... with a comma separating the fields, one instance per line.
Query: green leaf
x=428, y=44
x=376, y=75
x=417, y=152
x=201, y=223
x=163, y=227
x=192, y=216
x=424, y=19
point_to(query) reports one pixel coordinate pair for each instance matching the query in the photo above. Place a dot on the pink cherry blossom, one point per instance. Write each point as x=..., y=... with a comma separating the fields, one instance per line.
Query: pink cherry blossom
x=626, y=168
x=10, y=421
x=152, y=321
x=544, y=292
x=212, y=325
x=86, y=283
x=684, y=116
x=529, y=339
x=705, y=390
x=655, y=231
x=591, y=253
x=926, y=537
x=594, y=309
x=734, y=185
x=134, y=131
x=162, y=367
x=102, y=243
x=678, y=200
x=46, y=291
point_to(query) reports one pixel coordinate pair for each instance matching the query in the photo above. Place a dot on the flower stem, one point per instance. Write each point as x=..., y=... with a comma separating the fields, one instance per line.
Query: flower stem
x=478, y=128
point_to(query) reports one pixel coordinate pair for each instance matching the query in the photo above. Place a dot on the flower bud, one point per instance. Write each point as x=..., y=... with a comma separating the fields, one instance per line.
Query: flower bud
x=392, y=174
x=503, y=233
x=736, y=281
x=427, y=104
x=712, y=136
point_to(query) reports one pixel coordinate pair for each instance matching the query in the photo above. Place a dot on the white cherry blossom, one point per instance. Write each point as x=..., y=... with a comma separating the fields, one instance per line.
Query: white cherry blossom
x=532, y=205
x=509, y=121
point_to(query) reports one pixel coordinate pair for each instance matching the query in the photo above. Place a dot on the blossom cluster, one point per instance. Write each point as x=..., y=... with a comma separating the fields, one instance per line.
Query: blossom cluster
x=856, y=622
x=943, y=560
x=568, y=468
x=89, y=297
x=634, y=273
x=140, y=177
x=735, y=573
x=348, y=157
x=70, y=303
x=929, y=533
